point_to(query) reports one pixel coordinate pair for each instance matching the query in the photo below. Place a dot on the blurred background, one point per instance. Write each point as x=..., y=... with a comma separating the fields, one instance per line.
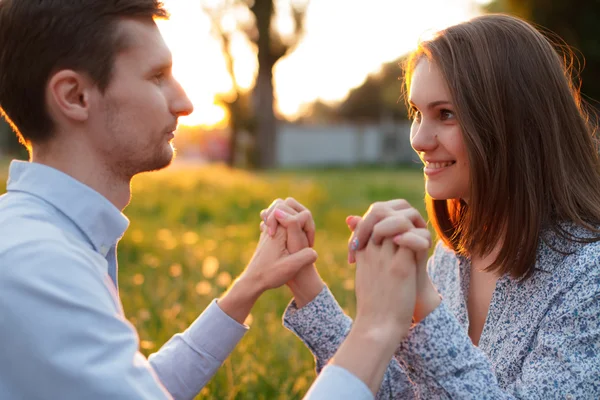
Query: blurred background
x=305, y=83
x=294, y=98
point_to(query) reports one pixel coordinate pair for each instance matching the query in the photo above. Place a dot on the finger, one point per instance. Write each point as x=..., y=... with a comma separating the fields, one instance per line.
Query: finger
x=412, y=241
x=291, y=221
x=309, y=227
x=294, y=262
x=389, y=248
x=415, y=216
x=390, y=227
x=352, y=221
x=291, y=202
x=376, y=213
x=301, y=222
x=307, y=223
x=263, y=226
x=422, y=232
x=264, y=214
x=403, y=265
x=398, y=204
x=272, y=221
x=380, y=211
x=364, y=228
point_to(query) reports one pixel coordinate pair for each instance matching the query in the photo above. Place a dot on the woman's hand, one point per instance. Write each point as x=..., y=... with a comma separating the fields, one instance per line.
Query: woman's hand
x=398, y=221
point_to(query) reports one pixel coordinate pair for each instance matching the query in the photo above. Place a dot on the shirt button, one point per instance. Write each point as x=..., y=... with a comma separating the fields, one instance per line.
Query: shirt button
x=569, y=397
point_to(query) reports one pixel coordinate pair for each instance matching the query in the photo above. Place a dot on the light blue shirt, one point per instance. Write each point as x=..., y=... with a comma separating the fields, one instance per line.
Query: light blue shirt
x=63, y=333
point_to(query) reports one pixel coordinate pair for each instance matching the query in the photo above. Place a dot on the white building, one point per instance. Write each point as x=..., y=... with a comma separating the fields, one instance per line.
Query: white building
x=344, y=145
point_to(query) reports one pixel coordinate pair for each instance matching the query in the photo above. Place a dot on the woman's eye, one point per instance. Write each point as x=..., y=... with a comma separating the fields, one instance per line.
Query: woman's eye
x=446, y=114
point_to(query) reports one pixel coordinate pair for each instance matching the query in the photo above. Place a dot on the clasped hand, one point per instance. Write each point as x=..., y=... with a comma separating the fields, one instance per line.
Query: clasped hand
x=389, y=244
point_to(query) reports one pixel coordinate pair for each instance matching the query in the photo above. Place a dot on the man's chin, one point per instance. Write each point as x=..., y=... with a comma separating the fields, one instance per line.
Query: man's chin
x=165, y=161
x=160, y=162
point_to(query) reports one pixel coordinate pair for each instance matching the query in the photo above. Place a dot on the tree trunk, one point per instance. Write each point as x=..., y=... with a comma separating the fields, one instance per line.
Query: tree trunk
x=266, y=121
x=266, y=129
x=233, y=132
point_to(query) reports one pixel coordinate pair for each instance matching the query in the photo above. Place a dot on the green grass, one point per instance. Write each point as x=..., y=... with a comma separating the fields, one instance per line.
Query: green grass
x=193, y=230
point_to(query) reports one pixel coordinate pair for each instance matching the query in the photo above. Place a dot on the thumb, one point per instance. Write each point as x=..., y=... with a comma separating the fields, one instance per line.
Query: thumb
x=295, y=262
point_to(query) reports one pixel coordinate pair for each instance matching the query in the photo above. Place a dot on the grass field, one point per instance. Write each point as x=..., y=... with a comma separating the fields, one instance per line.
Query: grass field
x=194, y=229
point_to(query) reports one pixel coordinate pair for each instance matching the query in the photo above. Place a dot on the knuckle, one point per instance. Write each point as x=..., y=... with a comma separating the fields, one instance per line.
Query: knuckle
x=377, y=230
x=379, y=206
x=309, y=216
x=401, y=204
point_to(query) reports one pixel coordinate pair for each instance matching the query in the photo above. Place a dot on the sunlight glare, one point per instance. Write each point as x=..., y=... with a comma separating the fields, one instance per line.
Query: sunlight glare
x=344, y=42
x=187, y=34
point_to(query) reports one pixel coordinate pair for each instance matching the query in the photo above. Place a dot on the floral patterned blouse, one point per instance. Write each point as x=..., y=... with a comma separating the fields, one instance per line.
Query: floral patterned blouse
x=541, y=338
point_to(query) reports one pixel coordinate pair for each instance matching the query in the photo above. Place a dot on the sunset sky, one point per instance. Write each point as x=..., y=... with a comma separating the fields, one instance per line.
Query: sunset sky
x=344, y=41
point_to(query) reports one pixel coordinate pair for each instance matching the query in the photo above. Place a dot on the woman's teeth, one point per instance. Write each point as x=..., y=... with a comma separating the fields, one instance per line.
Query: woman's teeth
x=437, y=165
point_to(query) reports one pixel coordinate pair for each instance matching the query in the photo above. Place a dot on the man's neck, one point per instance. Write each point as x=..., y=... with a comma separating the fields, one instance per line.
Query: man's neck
x=86, y=167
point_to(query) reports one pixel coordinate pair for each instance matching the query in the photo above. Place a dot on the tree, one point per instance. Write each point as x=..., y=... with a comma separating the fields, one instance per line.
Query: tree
x=240, y=115
x=271, y=46
x=576, y=22
x=379, y=96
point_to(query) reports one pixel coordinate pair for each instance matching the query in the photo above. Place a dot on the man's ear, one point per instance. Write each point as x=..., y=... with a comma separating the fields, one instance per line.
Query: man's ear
x=68, y=94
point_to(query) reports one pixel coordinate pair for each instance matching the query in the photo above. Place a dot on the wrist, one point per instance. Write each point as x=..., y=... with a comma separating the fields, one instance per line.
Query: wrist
x=238, y=301
x=426, y=303
x=365, y=355
x=306, y=286
x=386, y=333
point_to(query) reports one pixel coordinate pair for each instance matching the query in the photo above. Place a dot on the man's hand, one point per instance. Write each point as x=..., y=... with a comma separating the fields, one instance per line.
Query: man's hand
x=270, y=267
x=300, y=226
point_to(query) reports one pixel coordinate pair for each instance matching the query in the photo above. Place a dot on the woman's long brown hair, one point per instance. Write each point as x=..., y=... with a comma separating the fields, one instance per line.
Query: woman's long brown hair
x=532, y=148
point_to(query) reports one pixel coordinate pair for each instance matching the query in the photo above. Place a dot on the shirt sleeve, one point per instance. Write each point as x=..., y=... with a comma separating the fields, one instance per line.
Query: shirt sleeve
x=323, y=327
x=64, y=335
x=336, y=383
x=188, y=360
x=564, y=361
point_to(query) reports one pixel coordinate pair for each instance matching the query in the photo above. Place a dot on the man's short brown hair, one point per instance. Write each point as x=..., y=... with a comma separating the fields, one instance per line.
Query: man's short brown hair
x=39, y=38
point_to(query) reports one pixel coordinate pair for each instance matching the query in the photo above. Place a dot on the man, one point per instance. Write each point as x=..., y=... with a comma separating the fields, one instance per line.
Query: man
x=87, y=84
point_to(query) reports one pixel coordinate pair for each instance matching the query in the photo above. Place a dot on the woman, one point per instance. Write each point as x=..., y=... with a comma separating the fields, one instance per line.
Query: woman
x=512, y=178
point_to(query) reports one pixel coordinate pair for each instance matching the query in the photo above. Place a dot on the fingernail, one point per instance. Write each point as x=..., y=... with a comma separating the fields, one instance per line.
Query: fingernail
x=354, y=244
x=280, y=214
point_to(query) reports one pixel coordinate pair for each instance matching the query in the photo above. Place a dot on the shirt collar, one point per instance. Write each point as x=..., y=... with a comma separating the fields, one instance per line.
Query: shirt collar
x=98, y=218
